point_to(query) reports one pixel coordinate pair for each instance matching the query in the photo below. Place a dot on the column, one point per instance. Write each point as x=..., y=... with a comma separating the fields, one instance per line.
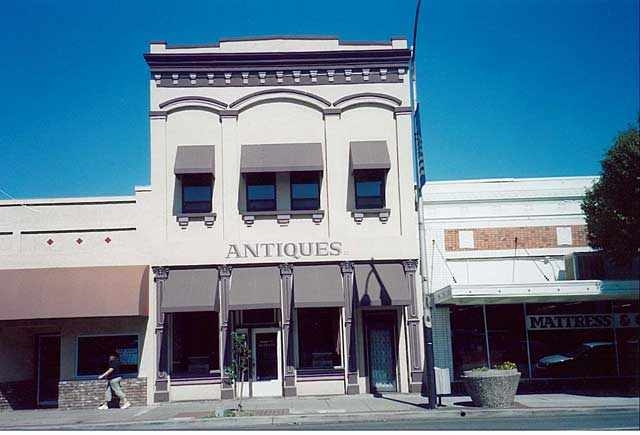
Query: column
x=224, y=274
x=350, y=358
x=412, y=320
x=161, y=393
x=286, y=277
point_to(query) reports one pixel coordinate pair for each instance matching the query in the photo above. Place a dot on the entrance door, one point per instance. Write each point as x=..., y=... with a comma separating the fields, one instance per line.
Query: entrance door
x=48, y=370
x=381, y=351
x=266, y=362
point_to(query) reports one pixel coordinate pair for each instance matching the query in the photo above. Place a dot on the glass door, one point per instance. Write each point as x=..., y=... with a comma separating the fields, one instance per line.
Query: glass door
x=381, y=352
x=266, y=362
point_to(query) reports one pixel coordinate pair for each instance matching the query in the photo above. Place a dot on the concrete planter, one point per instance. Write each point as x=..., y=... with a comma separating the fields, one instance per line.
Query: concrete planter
x=492, y=388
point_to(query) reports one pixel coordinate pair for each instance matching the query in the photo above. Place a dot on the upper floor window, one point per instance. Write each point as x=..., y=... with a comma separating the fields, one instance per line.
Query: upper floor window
x=197, y=190
x=305, y=190
x=370, y=187
x=261, y=191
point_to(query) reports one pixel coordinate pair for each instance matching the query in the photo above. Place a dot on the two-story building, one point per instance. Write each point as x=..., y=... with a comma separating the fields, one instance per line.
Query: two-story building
x=281, y=207
x=513, y=279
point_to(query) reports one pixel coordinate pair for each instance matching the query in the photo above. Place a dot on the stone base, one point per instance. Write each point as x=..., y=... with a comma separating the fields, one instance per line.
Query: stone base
x=17, y=395
x=492, y=389
x=90, y=393
x=352, y=389
x=226, y=393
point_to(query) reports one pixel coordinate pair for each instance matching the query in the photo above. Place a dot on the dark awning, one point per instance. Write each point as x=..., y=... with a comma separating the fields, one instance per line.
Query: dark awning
x=371, y=154
x=254, y=287
x=318, y=286
x=286, y=157
x=191, y=290
x=381, y=284
x=195, y=159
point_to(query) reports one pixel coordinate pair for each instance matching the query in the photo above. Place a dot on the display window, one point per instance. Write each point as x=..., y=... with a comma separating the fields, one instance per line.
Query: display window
x=319, y=338
x=468, y=338
x=507, y=335
x=627, y=333
x=195, y=344
x=93, y=354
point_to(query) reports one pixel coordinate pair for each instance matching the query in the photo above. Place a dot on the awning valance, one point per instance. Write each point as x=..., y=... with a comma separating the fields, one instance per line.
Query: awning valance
x=287, y=157
x=254, y=287
x=371, y=154
x=74, y=292
x=381, y=284
x=191, y=290
x=195, y=159
x=552, y=291
x=317, y=286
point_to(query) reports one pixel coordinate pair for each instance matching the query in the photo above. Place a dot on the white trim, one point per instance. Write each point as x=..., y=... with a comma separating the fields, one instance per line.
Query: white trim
x=77, y=354
x=535, y=292
x=276, y=383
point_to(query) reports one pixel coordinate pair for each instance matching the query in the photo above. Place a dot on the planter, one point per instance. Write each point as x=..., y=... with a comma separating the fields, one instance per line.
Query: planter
x=492, y=388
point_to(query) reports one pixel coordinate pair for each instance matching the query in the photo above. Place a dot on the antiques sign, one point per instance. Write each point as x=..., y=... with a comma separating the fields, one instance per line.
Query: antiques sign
x=284, y=249
x=583, y=321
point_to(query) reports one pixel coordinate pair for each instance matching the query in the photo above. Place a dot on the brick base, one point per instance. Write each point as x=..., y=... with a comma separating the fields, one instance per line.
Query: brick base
x=17, y=395
x=90, y=393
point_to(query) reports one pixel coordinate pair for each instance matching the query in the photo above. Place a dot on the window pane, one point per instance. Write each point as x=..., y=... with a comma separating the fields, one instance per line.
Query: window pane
x=305, y=190
x=195, y=344
x=261, y=192
x=628, y=336
x=369, y=189
x=507, y=339
x=93, y=354
x=468, y=339
x=197, y=191
x=318, y=338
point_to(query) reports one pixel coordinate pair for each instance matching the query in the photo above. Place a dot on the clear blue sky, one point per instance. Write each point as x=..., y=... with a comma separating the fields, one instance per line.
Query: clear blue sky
x=509, y=88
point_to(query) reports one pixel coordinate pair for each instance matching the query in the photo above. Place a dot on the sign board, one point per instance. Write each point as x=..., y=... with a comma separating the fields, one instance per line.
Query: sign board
x=582, y=321
x=294, y=250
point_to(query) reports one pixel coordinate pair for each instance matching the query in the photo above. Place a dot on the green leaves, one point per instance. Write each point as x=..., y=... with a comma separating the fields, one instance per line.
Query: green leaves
x=612, y=205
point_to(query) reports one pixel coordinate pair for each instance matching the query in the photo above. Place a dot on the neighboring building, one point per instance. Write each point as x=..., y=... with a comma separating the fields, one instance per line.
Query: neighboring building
x=281, y=207
x=508, y=271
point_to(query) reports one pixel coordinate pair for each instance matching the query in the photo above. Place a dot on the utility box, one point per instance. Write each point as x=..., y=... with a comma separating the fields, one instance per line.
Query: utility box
x=443, y=383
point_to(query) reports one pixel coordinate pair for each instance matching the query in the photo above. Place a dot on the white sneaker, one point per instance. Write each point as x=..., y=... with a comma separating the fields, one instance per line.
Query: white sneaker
x=103, y=406
x=126, y=405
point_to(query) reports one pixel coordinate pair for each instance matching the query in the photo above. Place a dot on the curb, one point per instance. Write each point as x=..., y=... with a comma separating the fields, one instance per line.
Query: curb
x=337, y=418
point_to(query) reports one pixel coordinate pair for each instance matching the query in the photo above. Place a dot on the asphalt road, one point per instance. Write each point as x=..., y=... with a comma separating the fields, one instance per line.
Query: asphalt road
x=616, y=420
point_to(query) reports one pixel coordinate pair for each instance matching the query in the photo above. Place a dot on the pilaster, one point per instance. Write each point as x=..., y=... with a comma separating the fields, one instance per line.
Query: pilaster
x=224, y=274
x=350, y=358
x=286, y=277
x=413, y=328
x=161, y=393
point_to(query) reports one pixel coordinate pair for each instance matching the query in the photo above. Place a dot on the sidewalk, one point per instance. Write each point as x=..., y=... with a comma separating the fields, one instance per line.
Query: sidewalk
x=267, y=411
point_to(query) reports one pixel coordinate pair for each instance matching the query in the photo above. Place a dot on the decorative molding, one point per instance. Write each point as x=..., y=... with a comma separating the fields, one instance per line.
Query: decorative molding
x=160, y=273
x=224, y=270
x=192, y=98
x=346, y=267
x=246, y=98
x=410, y=266
x=285, y=269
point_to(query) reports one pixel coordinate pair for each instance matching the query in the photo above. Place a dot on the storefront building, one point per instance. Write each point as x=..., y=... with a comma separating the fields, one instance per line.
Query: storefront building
x=514, y=280
x=280, y=207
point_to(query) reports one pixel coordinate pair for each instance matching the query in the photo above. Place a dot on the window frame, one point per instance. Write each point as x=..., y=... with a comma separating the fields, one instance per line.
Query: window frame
x=315, y=176
x=299, y=359
x=124, y=375
x=363, y=175
x=180, y=376
x=196, y=180
x=250, y=180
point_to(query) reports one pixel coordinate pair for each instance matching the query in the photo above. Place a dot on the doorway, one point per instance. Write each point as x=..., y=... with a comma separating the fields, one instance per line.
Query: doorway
x=266, y=370
x=48, y=373
x=381, y=344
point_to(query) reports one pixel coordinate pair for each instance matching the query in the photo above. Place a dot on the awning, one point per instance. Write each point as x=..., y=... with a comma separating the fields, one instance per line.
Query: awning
x=552, y=291
x=381, y=284
x=74, y=292
x=317, y=286
x=371, y=154
x=191, y=290
x=286, y=157
x=195, y=159
x=254, y=287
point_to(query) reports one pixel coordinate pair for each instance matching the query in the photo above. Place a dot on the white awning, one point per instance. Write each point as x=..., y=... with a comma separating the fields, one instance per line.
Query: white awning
x=552, y=291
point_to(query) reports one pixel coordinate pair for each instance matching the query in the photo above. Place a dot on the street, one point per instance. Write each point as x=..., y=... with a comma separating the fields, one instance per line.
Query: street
x=615, y=420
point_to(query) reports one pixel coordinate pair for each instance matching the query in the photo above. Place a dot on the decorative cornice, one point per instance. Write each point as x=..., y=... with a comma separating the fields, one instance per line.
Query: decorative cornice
x=282, y=76
x=161, y=273
x=346, y=267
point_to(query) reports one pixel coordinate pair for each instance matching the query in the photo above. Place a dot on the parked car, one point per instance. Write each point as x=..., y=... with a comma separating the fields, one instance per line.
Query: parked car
x=594, y=358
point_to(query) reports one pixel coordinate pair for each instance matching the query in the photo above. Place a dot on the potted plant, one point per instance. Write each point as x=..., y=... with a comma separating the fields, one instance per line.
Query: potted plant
x=492, y=388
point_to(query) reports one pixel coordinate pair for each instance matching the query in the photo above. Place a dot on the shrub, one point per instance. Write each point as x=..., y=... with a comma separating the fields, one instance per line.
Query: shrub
x=506, y=365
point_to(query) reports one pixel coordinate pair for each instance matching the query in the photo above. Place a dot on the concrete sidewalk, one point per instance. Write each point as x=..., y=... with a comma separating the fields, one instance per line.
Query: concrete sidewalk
x=266, y=411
